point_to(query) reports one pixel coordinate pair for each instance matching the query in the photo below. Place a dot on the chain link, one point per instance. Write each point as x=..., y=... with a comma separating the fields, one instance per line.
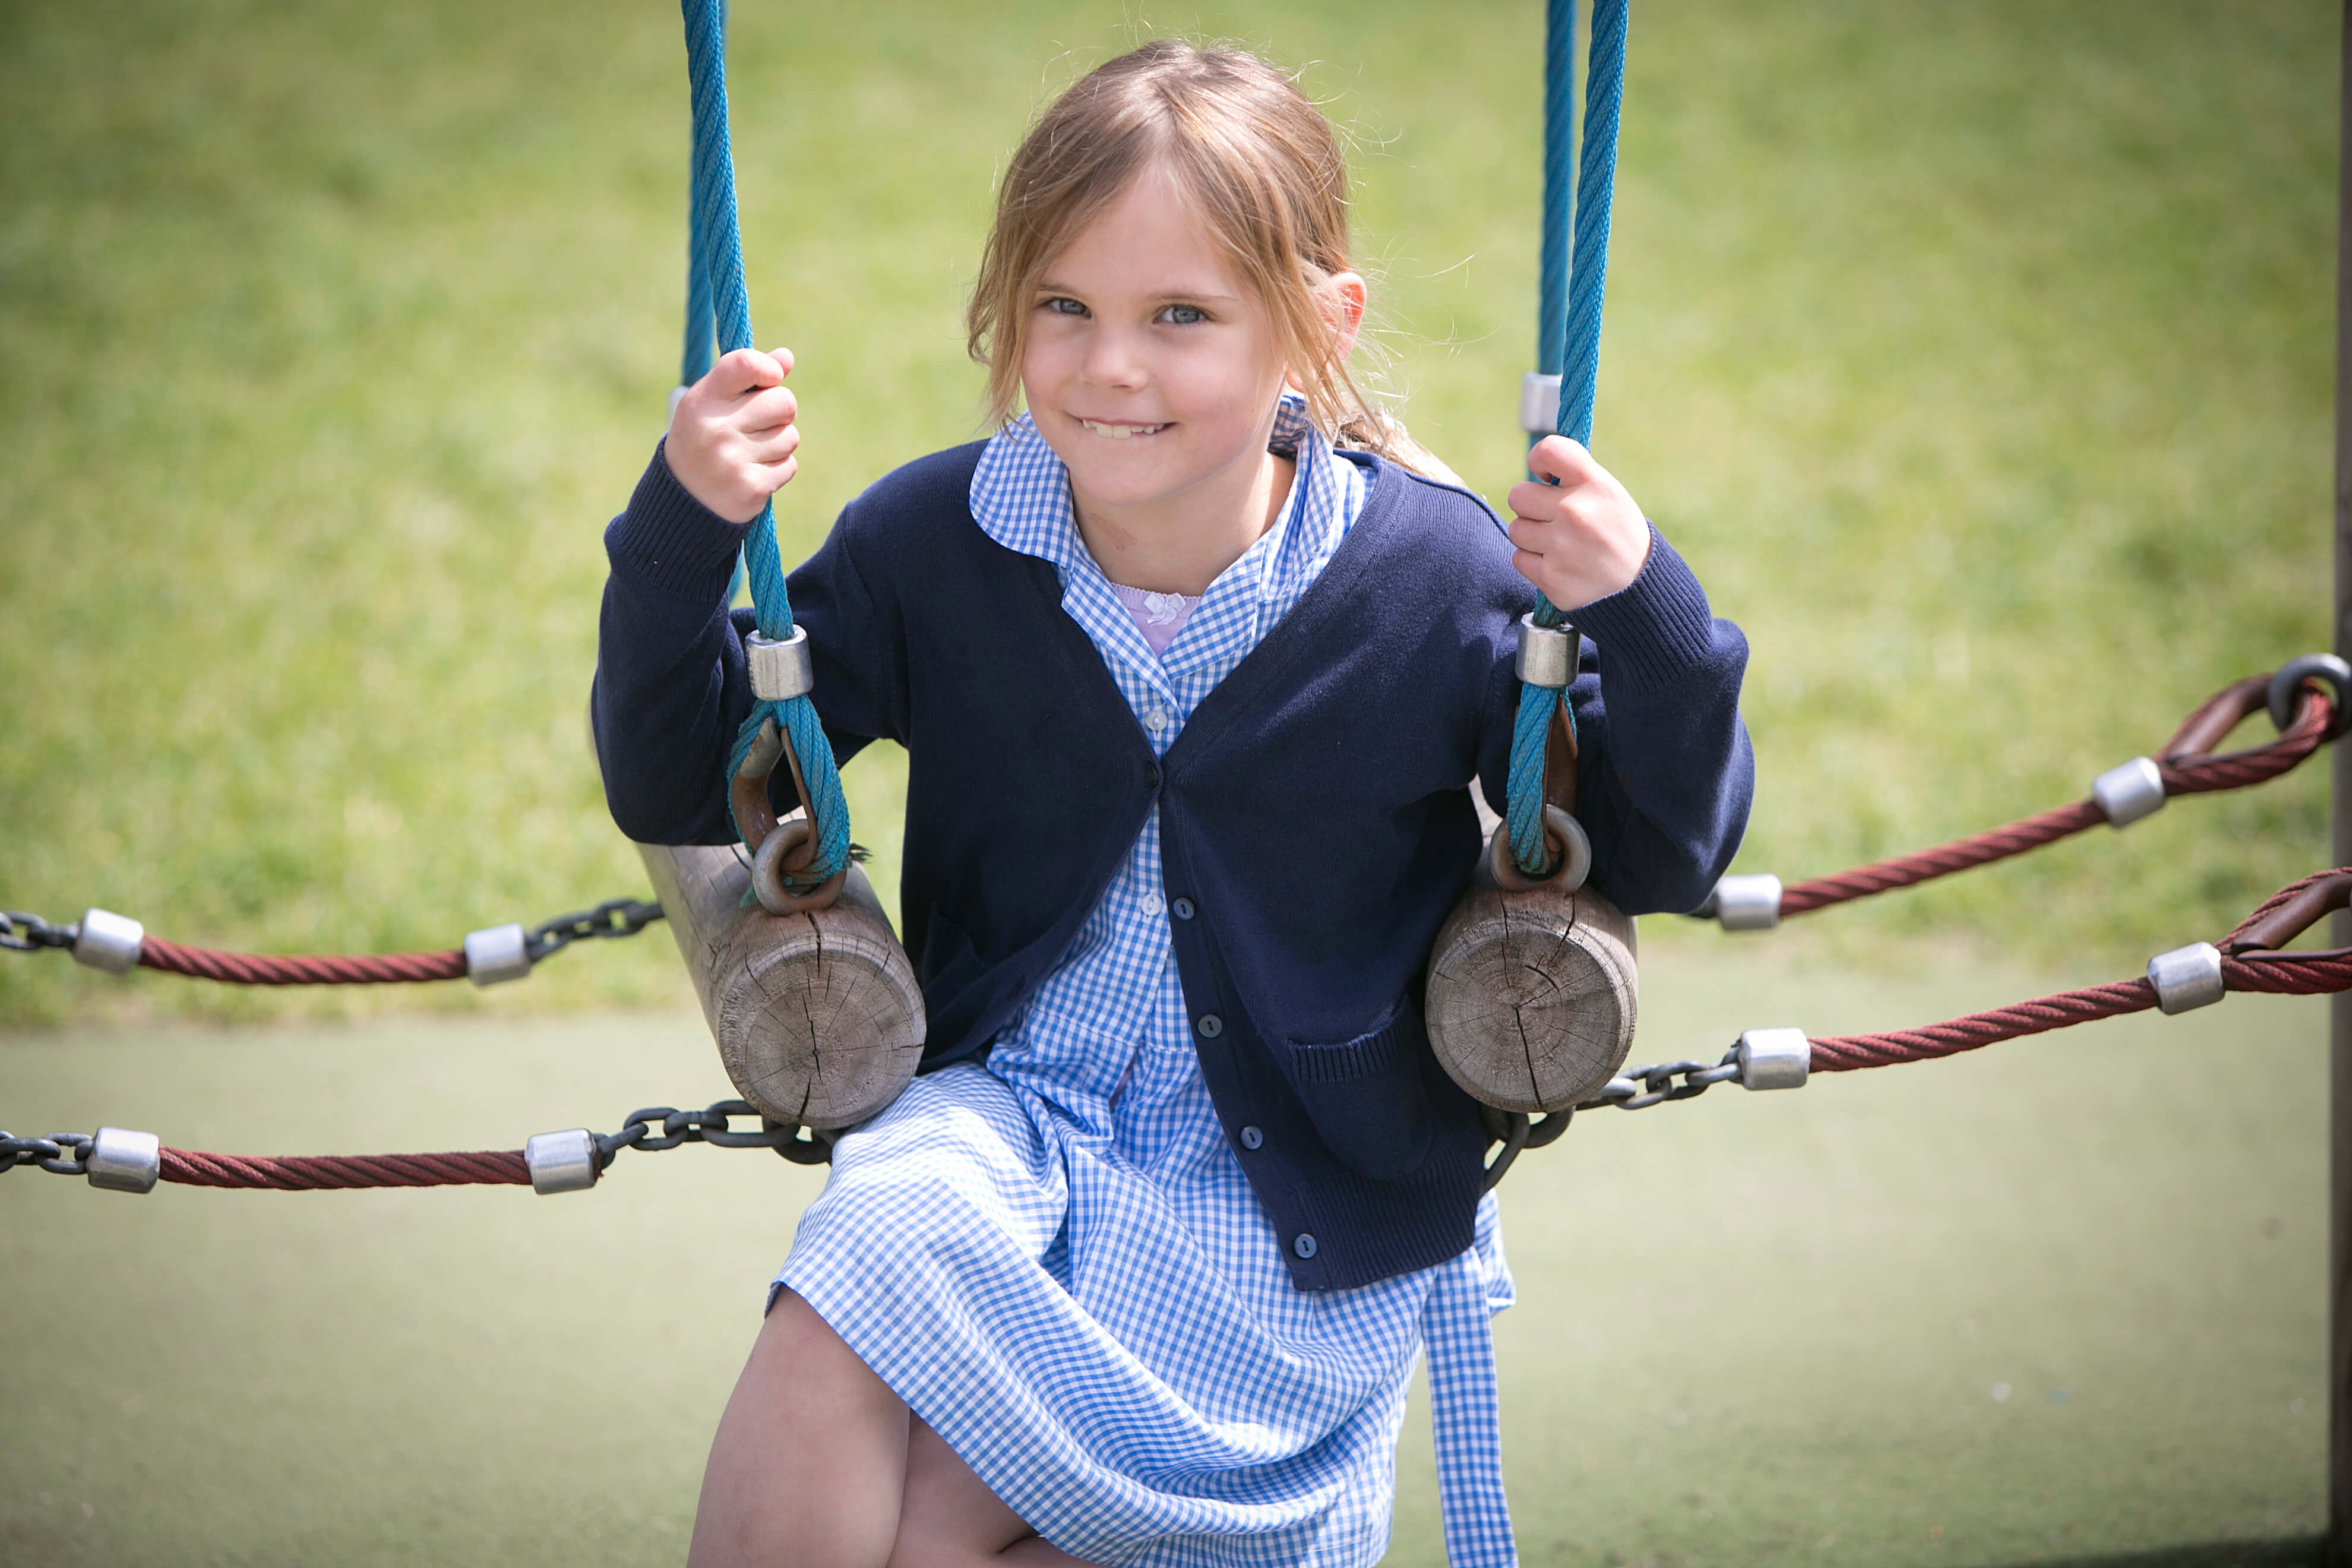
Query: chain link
x=21, y=933
x=659, y=1127
x=612, y=918
x=1637, y=1088
x=51, y=1154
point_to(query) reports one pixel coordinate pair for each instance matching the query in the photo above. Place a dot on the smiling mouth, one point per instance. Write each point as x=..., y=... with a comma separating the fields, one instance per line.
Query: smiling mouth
x=1122, y=432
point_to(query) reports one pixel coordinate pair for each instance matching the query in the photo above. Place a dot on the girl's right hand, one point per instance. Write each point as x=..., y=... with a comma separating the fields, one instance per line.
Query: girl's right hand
x=731, y=436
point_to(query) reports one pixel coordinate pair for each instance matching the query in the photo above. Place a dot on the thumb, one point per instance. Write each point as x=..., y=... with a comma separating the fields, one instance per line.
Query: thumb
x=1560, y=461
x=745, y=370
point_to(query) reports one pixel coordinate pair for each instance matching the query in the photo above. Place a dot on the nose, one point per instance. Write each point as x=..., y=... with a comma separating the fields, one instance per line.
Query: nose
x=1113, y=361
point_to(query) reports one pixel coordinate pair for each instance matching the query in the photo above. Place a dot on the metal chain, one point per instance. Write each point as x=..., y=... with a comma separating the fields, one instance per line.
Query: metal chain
x=50, y=1153
x=1639, y=1089
x=21, y=933
x=612, y=918
x=1636, y=1089
x=710, y=1127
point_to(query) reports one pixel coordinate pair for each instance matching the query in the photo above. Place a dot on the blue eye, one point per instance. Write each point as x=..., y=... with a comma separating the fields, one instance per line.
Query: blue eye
x=1063, y=305
x=1184, y=315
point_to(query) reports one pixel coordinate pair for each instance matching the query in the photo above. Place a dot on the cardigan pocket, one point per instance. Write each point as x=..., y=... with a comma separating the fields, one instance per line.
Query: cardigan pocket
x=1365, y=1095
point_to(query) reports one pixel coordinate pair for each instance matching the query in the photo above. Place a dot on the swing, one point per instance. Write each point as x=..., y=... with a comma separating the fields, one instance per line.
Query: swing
x=1531, y=994
x=814, y=1007
x=819, y=1021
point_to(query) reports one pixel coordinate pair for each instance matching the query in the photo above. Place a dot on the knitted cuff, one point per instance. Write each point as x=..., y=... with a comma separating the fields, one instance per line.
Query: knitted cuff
x=670, y=543
x=1655, y=628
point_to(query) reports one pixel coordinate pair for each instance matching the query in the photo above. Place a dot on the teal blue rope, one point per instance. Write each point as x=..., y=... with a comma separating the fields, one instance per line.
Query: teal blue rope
x=1580, y=357
x=1559, y=184
x=694, y=359
x=714, y=220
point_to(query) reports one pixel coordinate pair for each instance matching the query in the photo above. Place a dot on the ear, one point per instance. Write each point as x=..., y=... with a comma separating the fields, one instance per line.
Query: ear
x=1344, y=294
x=1342, y=298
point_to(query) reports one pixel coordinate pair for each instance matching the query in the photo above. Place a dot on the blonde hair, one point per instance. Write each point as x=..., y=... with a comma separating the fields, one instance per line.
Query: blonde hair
x=1260, y=164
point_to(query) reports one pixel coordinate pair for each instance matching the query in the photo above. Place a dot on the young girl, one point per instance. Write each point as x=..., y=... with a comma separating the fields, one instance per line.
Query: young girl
x=1136, y=1270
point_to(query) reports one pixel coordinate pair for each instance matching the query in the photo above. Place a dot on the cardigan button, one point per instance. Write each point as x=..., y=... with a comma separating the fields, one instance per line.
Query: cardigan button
x=1304, y=1246
x=1182, y=909
x=1253, y=1139
x=1210, y=1025
x=1152, y=778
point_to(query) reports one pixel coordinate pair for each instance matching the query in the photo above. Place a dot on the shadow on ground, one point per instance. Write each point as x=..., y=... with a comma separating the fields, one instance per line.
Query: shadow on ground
x=2306, y=1552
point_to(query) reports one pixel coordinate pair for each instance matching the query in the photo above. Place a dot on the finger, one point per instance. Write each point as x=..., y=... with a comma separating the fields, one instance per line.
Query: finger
x=745, y=370
x=772, y=446
x=771, y=409
x=772, y=477
x=1563, y=461
x=1534, y=499
x=1530, y=535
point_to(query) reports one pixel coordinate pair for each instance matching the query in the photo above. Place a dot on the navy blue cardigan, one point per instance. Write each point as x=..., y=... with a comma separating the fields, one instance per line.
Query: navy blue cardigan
x=1316, y=823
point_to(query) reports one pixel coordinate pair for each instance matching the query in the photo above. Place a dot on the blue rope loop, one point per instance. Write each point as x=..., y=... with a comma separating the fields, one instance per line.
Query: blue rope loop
x=717, y=234
x=1579, y=353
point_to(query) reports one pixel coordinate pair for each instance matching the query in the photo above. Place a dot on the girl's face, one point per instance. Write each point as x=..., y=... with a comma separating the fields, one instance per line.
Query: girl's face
x=1151, y=370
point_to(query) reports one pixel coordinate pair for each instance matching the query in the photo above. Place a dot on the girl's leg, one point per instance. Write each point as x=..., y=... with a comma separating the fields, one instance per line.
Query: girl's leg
x=809, y=1468
x=951, y=1519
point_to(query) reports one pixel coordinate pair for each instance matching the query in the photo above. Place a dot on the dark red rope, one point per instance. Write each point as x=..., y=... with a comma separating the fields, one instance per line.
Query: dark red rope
x=324, y=1173
x=299, y=969
x=2190, y=775
x=2290, y=974
x=1926, y=865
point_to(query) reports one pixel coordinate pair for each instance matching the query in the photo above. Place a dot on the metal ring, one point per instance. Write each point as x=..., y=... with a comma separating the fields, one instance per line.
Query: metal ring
x=1563, y=836
x=2290, y=678
x=784, y=851
x=1515, y=1139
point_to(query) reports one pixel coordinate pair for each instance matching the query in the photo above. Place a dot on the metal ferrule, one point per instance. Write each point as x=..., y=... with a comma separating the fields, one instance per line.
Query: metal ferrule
x=676, y=396
x=497, y=953
x=1539, y=403
x=562, y=1162
x=1774, y=1059
x=121, y=1160
x=1750, y=902
x=780, y=671
x=110, y=941
x=2187, y=977
x=1546, y=654
x=2129, y=792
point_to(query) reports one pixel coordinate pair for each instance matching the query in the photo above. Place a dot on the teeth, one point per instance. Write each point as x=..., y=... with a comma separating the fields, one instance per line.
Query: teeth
x=1122, y=432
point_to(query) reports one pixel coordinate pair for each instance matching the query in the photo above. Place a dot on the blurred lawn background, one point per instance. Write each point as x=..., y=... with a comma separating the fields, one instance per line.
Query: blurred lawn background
x=1978, y=356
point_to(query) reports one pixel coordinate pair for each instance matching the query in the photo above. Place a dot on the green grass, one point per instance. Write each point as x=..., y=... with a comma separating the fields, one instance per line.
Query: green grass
x=1978, y=356
x=1752, y=1330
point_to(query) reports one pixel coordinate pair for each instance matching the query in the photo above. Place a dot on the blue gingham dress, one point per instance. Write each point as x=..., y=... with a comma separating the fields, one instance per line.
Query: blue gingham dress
x=1054, y=1257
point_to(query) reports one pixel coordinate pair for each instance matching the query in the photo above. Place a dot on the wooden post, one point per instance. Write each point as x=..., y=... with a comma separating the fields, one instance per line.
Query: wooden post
x=2339, y=1259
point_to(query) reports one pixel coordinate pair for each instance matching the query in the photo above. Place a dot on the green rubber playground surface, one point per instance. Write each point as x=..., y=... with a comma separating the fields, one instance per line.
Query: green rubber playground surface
x=2060, y=1301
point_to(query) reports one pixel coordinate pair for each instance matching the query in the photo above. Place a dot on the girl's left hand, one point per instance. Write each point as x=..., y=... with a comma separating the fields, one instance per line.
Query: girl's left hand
x=1581, y=538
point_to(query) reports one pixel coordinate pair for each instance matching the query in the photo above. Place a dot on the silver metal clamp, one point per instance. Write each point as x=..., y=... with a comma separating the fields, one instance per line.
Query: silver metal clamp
x=562, y=1161
x=2130, y=791
x=109, y=941
x=1539, y=403
x=2187, y=977
x=781, y=668
x=1774, y=1059
x=498, y=954
x=1749, y=902
x=1546, y=654
x=121, y=1160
